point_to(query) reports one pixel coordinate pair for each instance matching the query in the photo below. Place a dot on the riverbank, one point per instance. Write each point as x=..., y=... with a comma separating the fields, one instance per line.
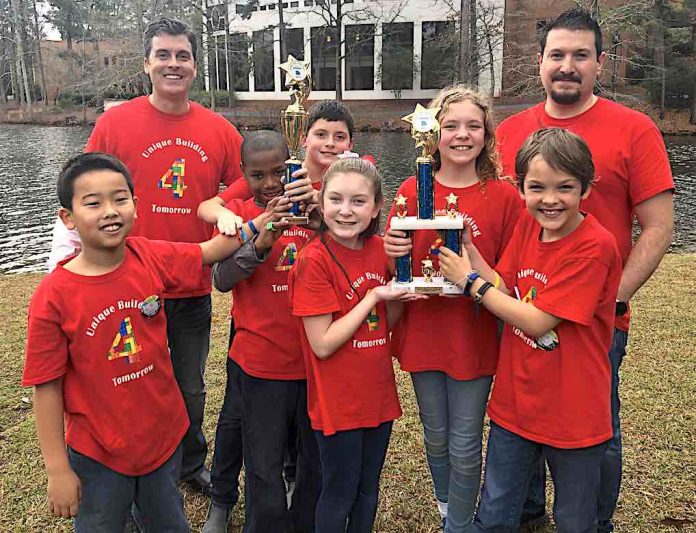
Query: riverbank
x=370, y=115
x=659, y=434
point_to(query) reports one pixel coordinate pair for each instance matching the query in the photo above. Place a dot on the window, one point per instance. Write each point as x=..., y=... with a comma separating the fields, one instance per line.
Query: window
x=440, y=54
x=264, y=79
x=294, y=4
x=294, y=43
x=360, y=57
x=239, y=61
x=324, y=58
x=397, y=56
x=308, y=3
x=106, y=61
x=262, y=8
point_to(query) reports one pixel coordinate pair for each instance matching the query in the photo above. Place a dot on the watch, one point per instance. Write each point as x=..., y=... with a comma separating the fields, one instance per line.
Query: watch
x=470, y=281
x=621, y=308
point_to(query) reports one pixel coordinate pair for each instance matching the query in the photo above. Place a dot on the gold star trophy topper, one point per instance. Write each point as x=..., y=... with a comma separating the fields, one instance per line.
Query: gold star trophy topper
x=401, y=206
x=297, y=79
x=451, y=208
x=425, y=129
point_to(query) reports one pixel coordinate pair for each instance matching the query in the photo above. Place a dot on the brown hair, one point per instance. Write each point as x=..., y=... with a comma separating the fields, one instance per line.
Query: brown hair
x=562, y=150
x=369, y=172
x=487, y=164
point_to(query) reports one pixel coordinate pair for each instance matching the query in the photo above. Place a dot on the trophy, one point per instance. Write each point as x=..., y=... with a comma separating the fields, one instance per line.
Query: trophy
x=425, y=130
x=293, y=122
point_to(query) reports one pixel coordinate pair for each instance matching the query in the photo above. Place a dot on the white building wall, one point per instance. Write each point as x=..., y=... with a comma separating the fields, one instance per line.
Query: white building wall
x=366, y=12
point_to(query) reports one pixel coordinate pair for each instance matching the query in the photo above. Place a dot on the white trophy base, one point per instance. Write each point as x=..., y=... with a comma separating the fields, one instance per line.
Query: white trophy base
x=437, y=285
x=415, y=223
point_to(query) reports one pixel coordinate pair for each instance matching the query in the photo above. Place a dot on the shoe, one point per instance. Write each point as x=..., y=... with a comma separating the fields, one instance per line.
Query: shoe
x=200, y=481
x=530, y=523
x=219, y=517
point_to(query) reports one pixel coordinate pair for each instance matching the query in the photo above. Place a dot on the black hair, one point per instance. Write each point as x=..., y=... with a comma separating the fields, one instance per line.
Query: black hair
x=168, y=26
x=561, y=150
x=263, y=141
x=81, y=164
x=331, y=111
x=575, y=19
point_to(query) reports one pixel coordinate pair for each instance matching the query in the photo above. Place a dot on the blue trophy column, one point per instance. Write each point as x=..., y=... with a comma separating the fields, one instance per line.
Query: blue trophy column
x=404, y=274
x=292, y=166
x=426, y=190
x=453, y=240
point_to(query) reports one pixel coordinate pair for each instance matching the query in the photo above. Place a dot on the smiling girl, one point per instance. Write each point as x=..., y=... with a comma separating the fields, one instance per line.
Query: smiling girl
x=338, y=288
x=449, y=346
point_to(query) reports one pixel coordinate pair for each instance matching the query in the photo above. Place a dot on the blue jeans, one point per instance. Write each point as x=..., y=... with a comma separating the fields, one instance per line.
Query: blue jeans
x=351, y=464
x=451, y=412
x=188, y=333
x=611, y=465
x=107, y=497
x=510, y=462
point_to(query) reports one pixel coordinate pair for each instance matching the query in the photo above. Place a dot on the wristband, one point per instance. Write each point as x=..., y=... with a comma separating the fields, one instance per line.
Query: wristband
x=478, y=295
x=242, y=235
x=473, y=275
x=496, y=281
x=252, y=227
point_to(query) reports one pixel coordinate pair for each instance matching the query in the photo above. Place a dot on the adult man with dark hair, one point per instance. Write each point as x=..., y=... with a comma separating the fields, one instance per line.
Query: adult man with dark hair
x=178, y=153
x=633, y=179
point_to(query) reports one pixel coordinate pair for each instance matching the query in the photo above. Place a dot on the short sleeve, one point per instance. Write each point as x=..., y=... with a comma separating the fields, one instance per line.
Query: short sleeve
x=47, y=345
x=312, y=292
x=179, y=264
x=649, y=171
x=97, y=141
x=580, y=281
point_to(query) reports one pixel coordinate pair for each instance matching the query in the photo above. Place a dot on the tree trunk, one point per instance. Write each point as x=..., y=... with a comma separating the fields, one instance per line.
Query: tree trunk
x=473, y=46
x=281, y=32
x=464, y=41
x=339, y=57
x=38, y=50
x=20, y=54
x=660, y=53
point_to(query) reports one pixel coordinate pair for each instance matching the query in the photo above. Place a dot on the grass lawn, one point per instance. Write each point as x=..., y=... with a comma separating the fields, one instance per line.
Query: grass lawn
x=659, y=431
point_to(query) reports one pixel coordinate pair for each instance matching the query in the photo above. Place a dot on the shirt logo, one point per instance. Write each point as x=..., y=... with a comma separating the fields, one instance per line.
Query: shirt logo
x=372, y=320
x=287, y=258
x=125, y=344
x=549, y=340
x=174, y=178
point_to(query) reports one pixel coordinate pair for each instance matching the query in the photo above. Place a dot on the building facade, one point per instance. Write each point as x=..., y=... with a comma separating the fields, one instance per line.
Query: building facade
x=389, y=48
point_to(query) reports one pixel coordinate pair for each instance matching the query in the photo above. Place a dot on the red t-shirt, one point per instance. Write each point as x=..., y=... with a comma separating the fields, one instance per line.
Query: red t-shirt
x=449, y=334
x=266, y=344
x=122, y=405
x=631, y=163
x=559, y=394
x=176, y=161
x=354, y=387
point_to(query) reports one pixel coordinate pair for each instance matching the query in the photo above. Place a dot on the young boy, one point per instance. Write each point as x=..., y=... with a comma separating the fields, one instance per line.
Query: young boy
x=265, y=361
x=329, y=134
x=97, y=357
x=552, y=388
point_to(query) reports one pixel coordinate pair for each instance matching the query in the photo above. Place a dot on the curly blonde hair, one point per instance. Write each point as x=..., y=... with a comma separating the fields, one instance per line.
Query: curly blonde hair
x=487, y=163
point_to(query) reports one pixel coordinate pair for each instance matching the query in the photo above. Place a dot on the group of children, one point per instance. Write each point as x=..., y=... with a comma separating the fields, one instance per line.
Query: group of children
x=317, y=323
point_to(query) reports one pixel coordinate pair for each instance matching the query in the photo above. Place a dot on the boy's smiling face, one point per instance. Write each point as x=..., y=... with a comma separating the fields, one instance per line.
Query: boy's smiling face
x=103, y=209
x=325, y=140
x=553, y=199
x=264, y=171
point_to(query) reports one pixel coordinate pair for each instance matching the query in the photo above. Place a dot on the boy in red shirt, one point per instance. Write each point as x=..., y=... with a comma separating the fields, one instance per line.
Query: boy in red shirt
x=552, y=390
x=98, y=358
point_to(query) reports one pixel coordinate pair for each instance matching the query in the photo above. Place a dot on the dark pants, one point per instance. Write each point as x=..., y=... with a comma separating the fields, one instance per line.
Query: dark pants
x=611, y=464
x=188, y=333
x=270, y=407
x=510, y=462
x=351, y=464
x=107, y=497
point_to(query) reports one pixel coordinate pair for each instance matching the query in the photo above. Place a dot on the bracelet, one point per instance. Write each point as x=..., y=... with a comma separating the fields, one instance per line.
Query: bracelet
x=496, y=281
x=478, y=296
x=473, y=275
x=242, y=236
x=252, y=227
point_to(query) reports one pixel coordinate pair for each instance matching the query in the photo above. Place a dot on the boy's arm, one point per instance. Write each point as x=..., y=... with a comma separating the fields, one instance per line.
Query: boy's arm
x=238, y=267
x=213, y=211
x=64, y=487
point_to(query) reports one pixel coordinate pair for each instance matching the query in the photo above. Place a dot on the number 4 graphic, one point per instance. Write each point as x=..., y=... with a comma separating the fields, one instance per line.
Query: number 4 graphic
x=176, y=173
x=124, y=344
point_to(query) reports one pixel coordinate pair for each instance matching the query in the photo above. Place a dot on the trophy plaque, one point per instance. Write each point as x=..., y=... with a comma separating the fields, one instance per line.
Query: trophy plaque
x=293, y=122
x=425, y=130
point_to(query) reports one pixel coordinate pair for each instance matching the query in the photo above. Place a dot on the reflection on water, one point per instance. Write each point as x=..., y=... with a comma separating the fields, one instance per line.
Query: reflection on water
x=31, y=156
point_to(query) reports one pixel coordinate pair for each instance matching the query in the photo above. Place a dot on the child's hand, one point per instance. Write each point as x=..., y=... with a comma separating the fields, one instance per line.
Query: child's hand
x=64, y=493
x=466, y=237
x=301, y=190
x=453, y=266
x=386, y=293
x=228, y=222
x=397, y=243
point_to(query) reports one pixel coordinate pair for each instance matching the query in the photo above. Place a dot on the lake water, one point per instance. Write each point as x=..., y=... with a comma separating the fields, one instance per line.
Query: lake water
x=31, y=156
